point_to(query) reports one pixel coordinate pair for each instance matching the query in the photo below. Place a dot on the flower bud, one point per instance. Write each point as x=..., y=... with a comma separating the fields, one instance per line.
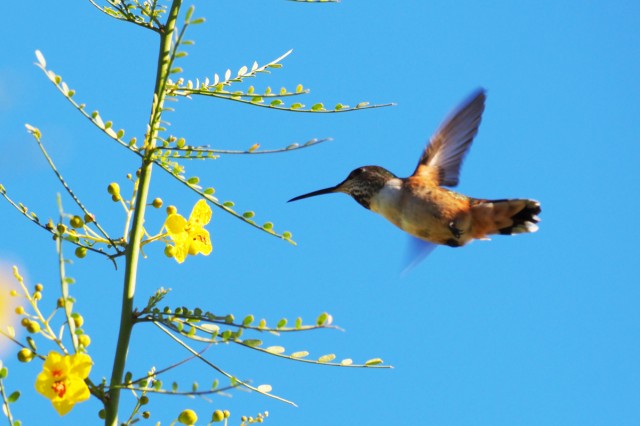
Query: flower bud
x=171, y=210
x=81, y=252
x=157, y=203
x=25, y=355
x=78, y=320
x=84, y=340
x=217, y=416
x=188, y=417
x=76, y=222
x=33, y=327
x=113, y=188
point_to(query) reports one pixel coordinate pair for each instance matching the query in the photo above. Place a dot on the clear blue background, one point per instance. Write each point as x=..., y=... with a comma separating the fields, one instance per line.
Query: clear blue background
x=528, y=330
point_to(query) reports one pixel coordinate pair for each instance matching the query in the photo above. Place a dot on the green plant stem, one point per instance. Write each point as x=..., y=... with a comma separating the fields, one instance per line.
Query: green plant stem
x=137, y=229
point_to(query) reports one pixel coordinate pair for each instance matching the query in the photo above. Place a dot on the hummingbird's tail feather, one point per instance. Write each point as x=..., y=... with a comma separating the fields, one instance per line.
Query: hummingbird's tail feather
x=505, y=217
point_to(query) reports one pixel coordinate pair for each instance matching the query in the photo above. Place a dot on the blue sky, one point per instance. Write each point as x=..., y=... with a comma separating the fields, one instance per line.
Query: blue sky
x=528, y=330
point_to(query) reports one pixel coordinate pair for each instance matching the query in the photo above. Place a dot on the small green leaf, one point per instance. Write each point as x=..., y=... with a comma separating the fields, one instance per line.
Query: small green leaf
x=299, y=88
x=275, y=349
x=228, y=204
x=281, y=323
x=374, y=361
x=300, y=354
x=247, y=320
x=297, y=105
x=198, y=21
x=317, y=107
x=264, y=388
x=299, y=322
x=13, y=397
x=362, y=104
x=40, y=58
x=327, y=358
x=193, y=180
x=323, y=318
x=187, y=16
x=252, y=342
x=209, y=191
x=248, y=215
x=267, y=226
x=276, y=102
x=346, y=361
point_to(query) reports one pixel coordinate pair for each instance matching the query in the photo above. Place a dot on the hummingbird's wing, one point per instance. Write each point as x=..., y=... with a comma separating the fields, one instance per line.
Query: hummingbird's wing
x=417, y=251
x=441, y=160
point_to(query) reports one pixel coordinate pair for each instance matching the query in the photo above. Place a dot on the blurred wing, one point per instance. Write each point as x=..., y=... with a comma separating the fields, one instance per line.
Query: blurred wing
x=417, y=251
x=441, y=160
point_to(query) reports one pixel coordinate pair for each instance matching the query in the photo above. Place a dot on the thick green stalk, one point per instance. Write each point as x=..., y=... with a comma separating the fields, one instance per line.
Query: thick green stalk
x=137, y=229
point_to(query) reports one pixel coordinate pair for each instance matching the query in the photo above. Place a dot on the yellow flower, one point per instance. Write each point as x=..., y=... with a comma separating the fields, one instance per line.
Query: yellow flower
x=62, y=380
x=190, y=237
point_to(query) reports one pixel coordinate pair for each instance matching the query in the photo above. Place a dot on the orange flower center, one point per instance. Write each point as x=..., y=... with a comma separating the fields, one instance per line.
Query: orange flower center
x=59, y=388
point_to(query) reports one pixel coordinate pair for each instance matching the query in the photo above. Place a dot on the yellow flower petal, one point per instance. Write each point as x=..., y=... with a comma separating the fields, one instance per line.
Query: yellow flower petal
x=175, y=224
x=80, y=365
x=200, y=242
x=200, y=215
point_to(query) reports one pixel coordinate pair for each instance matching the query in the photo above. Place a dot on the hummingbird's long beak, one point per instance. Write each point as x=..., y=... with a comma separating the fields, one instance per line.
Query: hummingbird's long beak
x=314, y=193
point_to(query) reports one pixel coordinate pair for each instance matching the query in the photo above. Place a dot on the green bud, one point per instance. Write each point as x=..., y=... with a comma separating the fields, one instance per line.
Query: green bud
x=157, y=203
x=78, y=320
x=33, y=327
x=81, y=252
x=76, y=222
x=84, y=340
x=25, y=355
x=171, y=210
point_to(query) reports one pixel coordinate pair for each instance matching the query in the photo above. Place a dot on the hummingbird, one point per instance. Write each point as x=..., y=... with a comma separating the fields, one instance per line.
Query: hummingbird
x=421, y=205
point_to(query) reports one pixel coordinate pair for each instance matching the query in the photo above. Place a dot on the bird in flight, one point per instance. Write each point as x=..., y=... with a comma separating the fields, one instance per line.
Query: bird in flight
x=421, y=205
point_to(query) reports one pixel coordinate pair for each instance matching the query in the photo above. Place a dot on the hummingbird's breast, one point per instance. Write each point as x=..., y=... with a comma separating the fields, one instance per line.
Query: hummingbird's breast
x=423, y=211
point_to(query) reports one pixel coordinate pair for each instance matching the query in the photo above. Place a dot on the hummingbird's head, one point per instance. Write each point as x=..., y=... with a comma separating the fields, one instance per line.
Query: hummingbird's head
x=362, y=184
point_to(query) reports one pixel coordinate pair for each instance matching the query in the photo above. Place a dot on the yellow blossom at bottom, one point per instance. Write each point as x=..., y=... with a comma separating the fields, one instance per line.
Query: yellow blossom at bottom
x=62, y=380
